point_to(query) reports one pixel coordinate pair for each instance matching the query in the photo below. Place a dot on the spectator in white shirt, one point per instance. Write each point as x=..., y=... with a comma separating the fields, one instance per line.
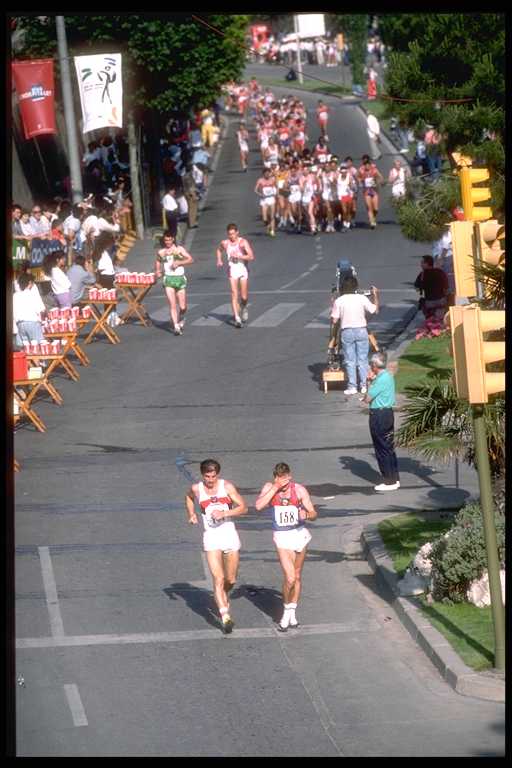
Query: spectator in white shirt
x=373, y=127
x=25, y=225
x=105, y=271
x=60, y=282
x=170, y=207
x=350, y=310
x=27, y=309
x=41, y=227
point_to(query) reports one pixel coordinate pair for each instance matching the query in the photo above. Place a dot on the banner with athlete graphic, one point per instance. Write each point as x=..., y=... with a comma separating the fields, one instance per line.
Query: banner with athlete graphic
x=101, y=90
x=34, y=83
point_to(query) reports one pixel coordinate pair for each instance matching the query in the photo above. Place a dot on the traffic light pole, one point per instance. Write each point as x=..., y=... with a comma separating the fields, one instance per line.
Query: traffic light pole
x=491, y=543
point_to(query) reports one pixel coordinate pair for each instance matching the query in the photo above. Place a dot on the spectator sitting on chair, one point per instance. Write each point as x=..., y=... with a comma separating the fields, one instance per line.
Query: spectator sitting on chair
x=105, y=271
x=54, y=264
x=433, y=284
x=81, y=275
x=41, y=227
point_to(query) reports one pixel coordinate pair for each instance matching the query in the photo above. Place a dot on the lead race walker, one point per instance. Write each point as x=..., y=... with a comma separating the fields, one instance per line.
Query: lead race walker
x=219, y=501
x=291, y=507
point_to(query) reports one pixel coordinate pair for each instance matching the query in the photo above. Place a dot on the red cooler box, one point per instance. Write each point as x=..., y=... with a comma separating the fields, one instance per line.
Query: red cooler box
x=19, y=366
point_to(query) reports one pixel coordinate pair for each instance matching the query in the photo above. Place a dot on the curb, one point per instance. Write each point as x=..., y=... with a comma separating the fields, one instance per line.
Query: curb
x=464, y=680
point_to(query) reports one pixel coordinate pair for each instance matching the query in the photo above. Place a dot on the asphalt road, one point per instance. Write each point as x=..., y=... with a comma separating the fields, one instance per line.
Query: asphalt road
x=116, y=635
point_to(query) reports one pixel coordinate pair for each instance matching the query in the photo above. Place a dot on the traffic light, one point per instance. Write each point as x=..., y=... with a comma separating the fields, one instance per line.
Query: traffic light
x=490, y=234
x=470, y=193
x=463, y=258
x=471, y=353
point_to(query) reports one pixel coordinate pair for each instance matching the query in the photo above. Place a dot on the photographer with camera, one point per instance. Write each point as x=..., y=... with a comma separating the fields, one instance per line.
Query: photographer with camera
x=350, y=309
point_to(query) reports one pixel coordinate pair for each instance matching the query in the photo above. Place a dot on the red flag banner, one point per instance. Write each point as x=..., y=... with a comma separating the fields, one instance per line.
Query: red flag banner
x=34, y=83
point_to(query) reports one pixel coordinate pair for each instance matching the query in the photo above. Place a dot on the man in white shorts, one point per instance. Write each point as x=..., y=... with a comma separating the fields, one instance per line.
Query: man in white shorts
x=238, y=252
x=291, y=506
x=266, y=189
x=219, y=501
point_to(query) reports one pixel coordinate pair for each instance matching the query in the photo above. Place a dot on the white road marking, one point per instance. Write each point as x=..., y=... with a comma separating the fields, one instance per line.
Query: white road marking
x=304, y=274
x=216, y=316
x=322, y=321
x=70, y=641
x=75, y=705
x=50, y=590
x=275, y=315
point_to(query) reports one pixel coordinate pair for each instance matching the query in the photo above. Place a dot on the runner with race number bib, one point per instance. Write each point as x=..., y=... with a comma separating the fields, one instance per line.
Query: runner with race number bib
x=172, y=259
x=238, y=252
x=266, y=189
x=291, y=506
x=219, y=501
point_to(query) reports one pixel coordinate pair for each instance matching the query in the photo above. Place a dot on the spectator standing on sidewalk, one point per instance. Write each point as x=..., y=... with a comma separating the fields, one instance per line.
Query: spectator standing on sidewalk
x=27, y=309
x=190, y=192
x=381, y=397
x=433, y=285
x=373, y=128
x=350, y=310
x=434, y=159
x=171, y=212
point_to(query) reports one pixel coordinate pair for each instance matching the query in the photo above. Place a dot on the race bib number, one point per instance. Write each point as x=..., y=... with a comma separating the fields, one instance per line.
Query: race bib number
x=369, y=182
x=286, y=515
x=219, y=506
x=268, y=191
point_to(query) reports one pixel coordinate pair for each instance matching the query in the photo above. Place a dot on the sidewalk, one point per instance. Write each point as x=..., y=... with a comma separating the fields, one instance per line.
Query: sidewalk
x=488, y=685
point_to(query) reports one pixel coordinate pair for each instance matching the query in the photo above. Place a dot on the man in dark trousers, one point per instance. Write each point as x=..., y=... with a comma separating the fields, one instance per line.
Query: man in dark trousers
x=381, y=397
x=433, y=285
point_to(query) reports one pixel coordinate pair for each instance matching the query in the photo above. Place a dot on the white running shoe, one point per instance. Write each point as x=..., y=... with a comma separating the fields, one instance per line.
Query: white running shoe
x=363, y=390
x=238, y=322
x=245, y=314
x=351, y=391
x=387, y=487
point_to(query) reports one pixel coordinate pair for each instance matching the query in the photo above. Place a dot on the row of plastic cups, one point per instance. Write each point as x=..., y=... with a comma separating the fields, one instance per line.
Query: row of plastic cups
x=60, y=326
x=102, y=294
x=135, y=278
x=65, y=314
x=45, y=347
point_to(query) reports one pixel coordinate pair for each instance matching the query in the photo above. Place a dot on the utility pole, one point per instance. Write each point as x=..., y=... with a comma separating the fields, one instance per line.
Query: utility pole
x=297, y=39
x=69, y=113
x=134, y=175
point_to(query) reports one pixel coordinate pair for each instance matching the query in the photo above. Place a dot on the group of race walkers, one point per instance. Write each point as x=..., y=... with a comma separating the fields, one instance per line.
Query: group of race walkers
x=220, y=502
x=306, y=189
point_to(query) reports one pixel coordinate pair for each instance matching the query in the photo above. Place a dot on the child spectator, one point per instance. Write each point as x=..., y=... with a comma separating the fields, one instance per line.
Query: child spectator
x=27, y=309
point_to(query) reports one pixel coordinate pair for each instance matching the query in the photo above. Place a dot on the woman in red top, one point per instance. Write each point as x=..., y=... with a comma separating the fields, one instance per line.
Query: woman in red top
x=370, y=178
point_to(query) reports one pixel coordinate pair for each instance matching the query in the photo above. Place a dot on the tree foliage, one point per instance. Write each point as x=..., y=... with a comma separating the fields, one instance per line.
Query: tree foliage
x=355, y=27
x=438, y=57
x=170, y=61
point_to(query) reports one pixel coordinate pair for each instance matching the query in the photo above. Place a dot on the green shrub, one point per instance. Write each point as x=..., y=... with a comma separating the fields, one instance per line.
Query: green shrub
x=460, y=556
